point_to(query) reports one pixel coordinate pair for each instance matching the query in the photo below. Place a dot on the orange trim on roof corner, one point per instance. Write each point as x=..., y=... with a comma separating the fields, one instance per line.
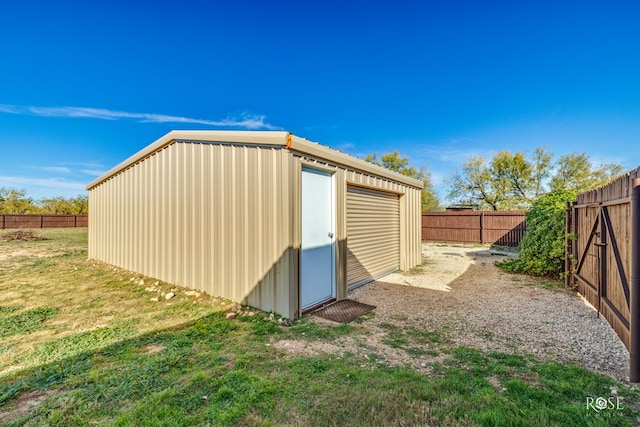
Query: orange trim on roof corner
x=289, y=140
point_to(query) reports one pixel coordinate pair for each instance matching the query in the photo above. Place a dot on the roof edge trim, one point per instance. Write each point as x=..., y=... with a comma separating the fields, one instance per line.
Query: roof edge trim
x=317, y=150
x=276, y=138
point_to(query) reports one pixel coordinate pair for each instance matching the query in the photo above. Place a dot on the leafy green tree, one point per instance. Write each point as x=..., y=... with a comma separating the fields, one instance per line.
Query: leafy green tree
x=477, y=184
x=16, y=202
x=55, y=205
x=80, y=205
x=542, y=167
x=394, y=162
x=542, y=247
x=516, y=181
x=509, y=181
x=523, y=177
x=59, y=205
x=575, y=172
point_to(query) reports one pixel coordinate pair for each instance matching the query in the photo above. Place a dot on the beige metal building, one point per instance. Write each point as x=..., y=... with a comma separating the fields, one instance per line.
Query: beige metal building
x=263, y=218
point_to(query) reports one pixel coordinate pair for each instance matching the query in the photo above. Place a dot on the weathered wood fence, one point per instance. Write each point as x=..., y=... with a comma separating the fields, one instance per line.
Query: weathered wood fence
x=487, y=227
x=42, y=221
x=604, y=257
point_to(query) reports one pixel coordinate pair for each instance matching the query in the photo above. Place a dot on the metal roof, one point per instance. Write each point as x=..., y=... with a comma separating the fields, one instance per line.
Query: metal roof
x=264, y=138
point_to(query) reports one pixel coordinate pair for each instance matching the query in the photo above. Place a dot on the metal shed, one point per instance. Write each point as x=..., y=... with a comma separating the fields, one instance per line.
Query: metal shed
x=263, y=218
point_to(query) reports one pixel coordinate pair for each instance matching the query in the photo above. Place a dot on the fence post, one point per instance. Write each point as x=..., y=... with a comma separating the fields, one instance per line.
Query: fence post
x=482, y=227
x=574, y=247
x=634, y=324
x=602, y=250
x=567, y=246
x=3, y=221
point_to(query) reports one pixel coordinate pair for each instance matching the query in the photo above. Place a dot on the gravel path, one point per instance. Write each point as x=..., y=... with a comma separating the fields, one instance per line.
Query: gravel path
x=461, y=292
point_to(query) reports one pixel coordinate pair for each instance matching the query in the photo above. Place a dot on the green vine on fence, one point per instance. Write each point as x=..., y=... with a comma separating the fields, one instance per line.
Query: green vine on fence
x=542, y=246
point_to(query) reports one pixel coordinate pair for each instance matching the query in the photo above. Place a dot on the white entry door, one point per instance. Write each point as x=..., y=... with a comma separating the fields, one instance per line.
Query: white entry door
x=317, y=258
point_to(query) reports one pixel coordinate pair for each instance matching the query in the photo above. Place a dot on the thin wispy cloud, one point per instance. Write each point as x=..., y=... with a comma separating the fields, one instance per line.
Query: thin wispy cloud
x=93, y=172
x=9, y=109
x=447, y=155
x=345, y=147
x=456, y=151
x=246, y=121
x=54, y=183
x=56, y=169
x=86, y=165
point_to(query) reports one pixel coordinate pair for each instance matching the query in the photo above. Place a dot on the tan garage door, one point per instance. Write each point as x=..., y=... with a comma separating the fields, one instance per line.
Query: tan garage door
x=373, y=234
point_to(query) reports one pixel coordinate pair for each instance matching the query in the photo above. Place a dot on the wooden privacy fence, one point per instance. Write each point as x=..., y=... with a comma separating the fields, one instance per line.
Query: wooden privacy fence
x=42, y=221
x=488, y=227
x=603, y=257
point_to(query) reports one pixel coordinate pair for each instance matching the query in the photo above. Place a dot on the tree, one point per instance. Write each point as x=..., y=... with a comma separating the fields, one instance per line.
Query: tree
x=59, y=205
x=524, y=177
x=542, y=166
x=55, y=205
x=575, y=172
x=477, y=185
x=80, y=205
x=516, y=181
x=394, y=162
x=510, y=181
x=16, y=202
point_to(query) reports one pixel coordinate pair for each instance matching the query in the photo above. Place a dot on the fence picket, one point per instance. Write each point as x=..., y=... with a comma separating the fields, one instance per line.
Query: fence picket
x=42, y=221
x=504, y=228
x=606, y=257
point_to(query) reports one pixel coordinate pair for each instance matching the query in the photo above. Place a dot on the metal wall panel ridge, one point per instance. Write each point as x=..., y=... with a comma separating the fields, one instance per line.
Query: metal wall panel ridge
x=410, y=211
x=220, y=212
x=202, y=215
x=409, y=214
x=373, y=234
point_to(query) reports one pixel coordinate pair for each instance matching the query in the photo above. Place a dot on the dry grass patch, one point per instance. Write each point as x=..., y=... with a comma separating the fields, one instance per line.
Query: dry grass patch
x=54, y=302
x=25, y=403
x=152, y=348
x=24, y=235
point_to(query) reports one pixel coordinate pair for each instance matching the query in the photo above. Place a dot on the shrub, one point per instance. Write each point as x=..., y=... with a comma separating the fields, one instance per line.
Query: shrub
x=542, y=247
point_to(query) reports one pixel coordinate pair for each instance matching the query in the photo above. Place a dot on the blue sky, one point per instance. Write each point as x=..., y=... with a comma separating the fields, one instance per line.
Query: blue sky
x=83, y=85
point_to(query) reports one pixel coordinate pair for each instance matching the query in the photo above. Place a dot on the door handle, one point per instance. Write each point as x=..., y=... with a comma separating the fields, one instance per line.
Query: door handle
x=330, y=235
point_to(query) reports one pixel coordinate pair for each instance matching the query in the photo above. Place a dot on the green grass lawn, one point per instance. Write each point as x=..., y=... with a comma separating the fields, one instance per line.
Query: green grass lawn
x=83, y=343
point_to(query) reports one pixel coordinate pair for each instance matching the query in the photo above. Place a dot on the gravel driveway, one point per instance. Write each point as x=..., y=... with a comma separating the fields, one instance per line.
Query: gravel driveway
x=461, y=293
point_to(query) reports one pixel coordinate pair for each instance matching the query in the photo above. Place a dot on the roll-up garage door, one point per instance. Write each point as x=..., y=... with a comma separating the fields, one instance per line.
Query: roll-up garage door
x=373, y=234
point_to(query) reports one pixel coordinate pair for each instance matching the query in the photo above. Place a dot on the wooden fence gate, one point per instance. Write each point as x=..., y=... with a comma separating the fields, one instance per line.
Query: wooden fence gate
x=603, y=253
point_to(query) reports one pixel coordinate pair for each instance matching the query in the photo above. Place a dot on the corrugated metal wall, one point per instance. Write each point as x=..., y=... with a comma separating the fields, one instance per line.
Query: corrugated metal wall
x=225, y=217
x=373, y=234
x=410, y=219
x=214, y=217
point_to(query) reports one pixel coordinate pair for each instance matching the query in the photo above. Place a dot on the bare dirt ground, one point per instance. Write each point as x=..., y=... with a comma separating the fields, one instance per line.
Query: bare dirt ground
x=459, y=297
x=7, y=252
